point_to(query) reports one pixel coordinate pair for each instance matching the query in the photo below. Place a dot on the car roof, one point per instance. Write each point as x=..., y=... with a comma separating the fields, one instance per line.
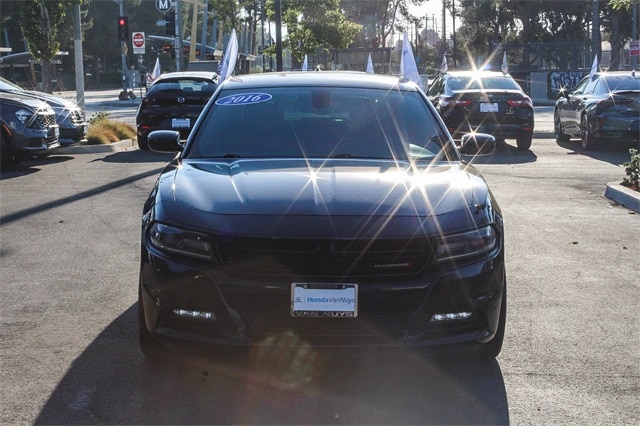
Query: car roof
x=205, y=75
x=472, y=73
x=630, y=74
x=319, y=78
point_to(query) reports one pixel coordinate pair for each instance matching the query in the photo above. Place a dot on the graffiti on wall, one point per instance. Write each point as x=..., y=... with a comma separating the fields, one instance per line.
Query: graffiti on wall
x=562, y=80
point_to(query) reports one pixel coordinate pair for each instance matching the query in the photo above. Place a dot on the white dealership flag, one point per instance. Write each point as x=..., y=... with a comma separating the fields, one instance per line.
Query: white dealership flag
x=156, y=69
x=305, y=63
x=408, y=66
x=230, y=57
x=445, y=66
x=504, y=68
x=594, y=68
x=370, y=65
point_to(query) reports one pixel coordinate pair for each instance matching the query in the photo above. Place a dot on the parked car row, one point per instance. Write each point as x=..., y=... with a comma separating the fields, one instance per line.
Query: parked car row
x=26, y=127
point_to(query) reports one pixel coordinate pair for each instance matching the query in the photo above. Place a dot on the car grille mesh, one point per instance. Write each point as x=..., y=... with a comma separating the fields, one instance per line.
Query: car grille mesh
x=75, y=117
x=43, y=121
x=329, y=258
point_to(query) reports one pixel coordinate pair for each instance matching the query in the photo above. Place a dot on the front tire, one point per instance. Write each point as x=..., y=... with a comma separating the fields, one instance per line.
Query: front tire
x=492, y=348
x=143, y=143
x=524, y=142
x=588, y=141
x=150, y=347
x=557, y=129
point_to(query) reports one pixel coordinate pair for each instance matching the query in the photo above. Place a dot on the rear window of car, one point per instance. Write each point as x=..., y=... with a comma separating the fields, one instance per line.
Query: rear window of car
x=313, y=122
x=183, y=85
x=473, y=83
x=618, y=83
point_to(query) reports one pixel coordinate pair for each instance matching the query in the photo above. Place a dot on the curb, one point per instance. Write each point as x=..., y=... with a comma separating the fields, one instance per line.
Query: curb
x=624, y=196
x=92, y=149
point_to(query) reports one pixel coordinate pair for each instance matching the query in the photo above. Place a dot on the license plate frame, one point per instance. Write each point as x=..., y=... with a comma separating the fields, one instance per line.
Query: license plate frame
x=489, y=107
x=326, y=300
x=180, y=123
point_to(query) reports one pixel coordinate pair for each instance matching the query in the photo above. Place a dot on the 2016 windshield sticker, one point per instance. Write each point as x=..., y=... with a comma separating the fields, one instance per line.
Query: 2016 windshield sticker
x=244, y=99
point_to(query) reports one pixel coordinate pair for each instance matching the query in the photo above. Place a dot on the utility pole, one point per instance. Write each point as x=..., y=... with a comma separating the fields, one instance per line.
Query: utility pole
x=77, y=51
x=178, y=39
x=595, y=29
x=634, y=31
x=278, y=11
x=122, y=49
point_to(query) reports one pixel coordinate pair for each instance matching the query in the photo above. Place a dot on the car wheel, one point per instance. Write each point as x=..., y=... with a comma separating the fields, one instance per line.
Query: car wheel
x=587, y=141
x=524, y=142
x=6, y=156
x=143, y=142
x=557, y=129
x=150, y=347
x=492, y=348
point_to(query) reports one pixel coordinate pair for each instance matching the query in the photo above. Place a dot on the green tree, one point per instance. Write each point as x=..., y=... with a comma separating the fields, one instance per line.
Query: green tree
x=40, y=24
x=313, y=25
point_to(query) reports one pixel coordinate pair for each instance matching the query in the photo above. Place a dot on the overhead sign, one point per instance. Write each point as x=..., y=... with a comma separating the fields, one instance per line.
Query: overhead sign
x=634, y=48
x=138, y=42
x=163, y=6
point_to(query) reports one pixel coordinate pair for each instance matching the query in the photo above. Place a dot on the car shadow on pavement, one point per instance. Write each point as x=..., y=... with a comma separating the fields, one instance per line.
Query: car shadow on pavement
x=615, y=154
x=137, y=156
x=31, y=165
x=505, y=154
x=111, y=383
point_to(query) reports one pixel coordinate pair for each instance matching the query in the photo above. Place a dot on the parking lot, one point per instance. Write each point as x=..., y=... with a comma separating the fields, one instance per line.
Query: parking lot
x=69, y=244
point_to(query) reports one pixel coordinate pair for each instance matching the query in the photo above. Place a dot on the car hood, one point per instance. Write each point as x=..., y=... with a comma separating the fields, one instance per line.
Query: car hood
x=19, y=99
x=55, y=101
x=290, y=192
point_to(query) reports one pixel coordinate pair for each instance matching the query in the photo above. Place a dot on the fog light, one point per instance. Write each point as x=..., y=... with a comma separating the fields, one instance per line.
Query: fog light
x=453, y=316
x=201, y=315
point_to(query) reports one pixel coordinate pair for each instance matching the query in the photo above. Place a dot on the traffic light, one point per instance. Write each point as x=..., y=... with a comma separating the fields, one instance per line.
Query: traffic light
x=170, y=24
x=123, y=28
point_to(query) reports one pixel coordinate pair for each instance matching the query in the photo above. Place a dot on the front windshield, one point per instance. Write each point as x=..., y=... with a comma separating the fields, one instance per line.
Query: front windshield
x=312, y=122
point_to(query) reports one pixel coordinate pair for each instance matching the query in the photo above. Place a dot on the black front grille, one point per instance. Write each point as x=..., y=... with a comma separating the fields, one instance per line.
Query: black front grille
x=43, y=121
x=75, y=116
x=331, y=258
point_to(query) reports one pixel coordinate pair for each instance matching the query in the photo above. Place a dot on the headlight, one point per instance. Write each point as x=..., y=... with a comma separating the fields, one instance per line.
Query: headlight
x=467, y=244
x=180, y=241
x=23, y=115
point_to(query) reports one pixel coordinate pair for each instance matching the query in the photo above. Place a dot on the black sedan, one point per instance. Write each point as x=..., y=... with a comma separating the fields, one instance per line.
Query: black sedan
x=174, y=102
x=604, y=108
x=321, y=209
x=484, y=101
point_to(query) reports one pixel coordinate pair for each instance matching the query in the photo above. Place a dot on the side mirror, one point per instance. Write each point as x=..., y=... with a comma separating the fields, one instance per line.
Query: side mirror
x=164, y=141
x=477, y=144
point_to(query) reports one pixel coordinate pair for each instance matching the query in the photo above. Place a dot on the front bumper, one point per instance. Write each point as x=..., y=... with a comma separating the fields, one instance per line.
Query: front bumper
x=249, y=312
x=37, y=141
